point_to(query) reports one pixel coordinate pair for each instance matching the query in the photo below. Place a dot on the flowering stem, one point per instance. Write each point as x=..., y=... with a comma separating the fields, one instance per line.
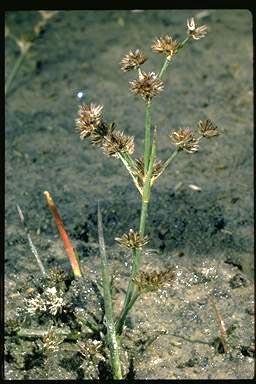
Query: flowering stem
x=111, y=332
x=132, y=294
x=164, y=67
x=130, y=290
x=147, y=136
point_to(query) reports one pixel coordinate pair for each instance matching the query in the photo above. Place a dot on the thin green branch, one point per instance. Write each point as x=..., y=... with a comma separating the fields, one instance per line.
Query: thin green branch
x=147, y=136
x=111, y=333
x=123, y=158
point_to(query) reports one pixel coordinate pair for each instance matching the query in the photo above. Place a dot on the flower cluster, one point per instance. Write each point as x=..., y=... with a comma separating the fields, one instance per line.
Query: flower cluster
x=196, y=32
x=89, y=118
x=152, y=281
x=118, y=142
x=207, y=128
x=90, y=124
x=157, y=168
x=52, y=340
x=166, y=45
x=132, y=240
x=49, y=301
x=147, y=85
x=132, y=60
x=184, y=139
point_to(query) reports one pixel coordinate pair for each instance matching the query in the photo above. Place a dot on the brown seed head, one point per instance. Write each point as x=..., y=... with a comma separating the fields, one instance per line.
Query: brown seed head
x=166, y=45
x=152, y=281
x=90, y=348
x=194, y=31
x=89, y=118
x=132, y=240
x=147, y=86
x=185, y=140
x=99, y=133
x=132, y=60
x=51, y=341
x=207, y=128
x=117, y=142
x=55, y=276
x=157, y=167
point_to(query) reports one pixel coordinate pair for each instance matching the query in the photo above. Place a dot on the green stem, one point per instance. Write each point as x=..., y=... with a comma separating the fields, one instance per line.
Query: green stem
x=164, y=67
x=14, y=71
x=132, y=294
x=130, y=291
x=111, y=333
x=147, y=136
x=127, y=165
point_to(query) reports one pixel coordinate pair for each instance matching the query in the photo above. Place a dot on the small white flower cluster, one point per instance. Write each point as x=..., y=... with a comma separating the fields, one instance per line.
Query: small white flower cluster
x=49, y=301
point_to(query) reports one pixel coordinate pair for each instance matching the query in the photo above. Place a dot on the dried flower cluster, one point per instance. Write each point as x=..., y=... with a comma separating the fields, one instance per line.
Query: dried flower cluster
x=52, y=340
x=207, y=128
x=152, y=281
x=49, y=301
x=166, y=45
x=118, y=142
x=194, y=31
x=90, y=124
x=89, y=118
x=91, y=348
x=132, y=60
x=147, y=85
x=141, y=177
x=184, y=139
x=132, y=240
x=56, y=276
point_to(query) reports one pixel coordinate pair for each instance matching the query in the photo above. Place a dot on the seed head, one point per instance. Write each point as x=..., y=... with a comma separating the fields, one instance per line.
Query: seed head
x=117, y=142
x=166, y=45
x=90, y=348
x=207, y=128
x=194, y=31
x=185, y=140
x=132, y=240
x=132, y=60
x=52, y=340
x=56, y=276
x=147, y=86
x=99, y=133
x=89, y=118
x=157, y=167
x=152, y=281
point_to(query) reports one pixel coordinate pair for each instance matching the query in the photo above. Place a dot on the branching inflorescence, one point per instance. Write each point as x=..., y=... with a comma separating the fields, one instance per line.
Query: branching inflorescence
x=146, y=169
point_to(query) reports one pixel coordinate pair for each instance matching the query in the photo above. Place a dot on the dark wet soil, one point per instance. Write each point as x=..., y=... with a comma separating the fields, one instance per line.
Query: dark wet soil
x=206, y=235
